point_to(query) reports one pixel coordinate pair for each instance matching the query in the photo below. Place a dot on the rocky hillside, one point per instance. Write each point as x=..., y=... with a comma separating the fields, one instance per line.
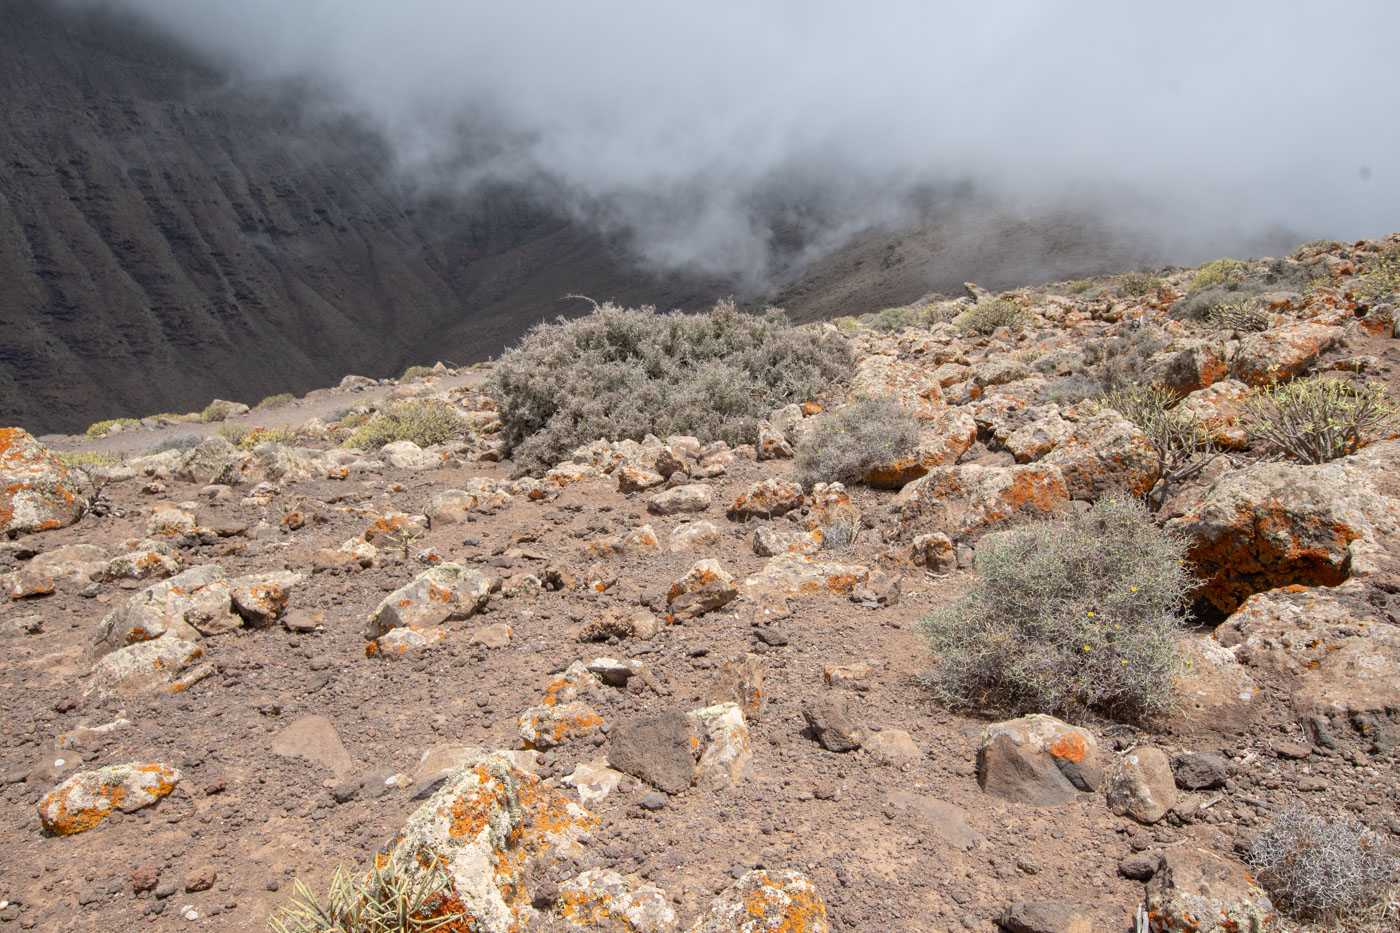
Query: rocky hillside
x=168, y=234
x=662, y=687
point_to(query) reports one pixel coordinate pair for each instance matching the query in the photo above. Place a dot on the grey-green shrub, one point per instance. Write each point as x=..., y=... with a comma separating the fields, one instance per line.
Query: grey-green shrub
x=1067, y=615
x=1320, y=868
x=417, y=372
x=1139, y=284
x=280, y=400
x=1243, y=317
x=1317, y=420
x=847, y=445
x=618, y=373
x=422, y=422
x=986, y=317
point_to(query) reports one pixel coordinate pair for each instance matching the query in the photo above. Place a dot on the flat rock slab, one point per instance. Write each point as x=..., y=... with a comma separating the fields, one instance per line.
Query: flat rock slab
x=315, y=739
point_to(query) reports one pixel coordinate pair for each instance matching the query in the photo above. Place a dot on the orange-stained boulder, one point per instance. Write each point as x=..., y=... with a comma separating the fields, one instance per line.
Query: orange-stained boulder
x=966, y=501
x=941, y=442
x=89, y=797
x=1282, y=352
x=767, y=499
x=486, y=824
x=1103, y=454
x=1275, y=524
x=1038, y=760
x=36, y=489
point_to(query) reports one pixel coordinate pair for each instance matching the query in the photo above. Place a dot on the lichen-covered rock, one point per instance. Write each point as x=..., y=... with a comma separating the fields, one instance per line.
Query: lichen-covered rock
x=688, y=536
x=1275, y=524
x=1038, y=436
x=1196, y=366
x=261, y=598
x=148, y=560
x=1139, y=784
x=766, y=902
x=767, y=499
x=700, y=574
x=772, y=445
x=448, y=591
x=89, y=797
x=790, y=574
x=1282, y=352
x=1199, y=891
x=405, y=642
x=1336, y=653
x=1038, y=760
x=740, y=681
x=556, y=724
x=195, y=601
x=1105, y=453
x=486, y=824
x=909, y=381
x=966, y=501
x=1214, y=693
x=71, y=568
x=213, y=461
x=603, y=901
x=634, y=478
x=941, y=442
x=37, y=492
x=167, y=663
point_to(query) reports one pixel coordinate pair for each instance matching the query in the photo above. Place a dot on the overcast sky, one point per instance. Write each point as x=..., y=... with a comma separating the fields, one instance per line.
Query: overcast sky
x=686, y=124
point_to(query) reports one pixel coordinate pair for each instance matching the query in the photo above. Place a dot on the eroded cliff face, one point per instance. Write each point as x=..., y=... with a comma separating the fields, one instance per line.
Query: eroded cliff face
x=168, y=235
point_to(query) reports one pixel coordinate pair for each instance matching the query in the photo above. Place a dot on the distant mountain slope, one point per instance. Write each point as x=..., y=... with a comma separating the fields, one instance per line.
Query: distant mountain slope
x=165, y=238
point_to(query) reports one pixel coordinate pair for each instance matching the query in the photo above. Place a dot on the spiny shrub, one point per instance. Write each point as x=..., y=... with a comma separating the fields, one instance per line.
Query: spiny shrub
x=1242, y=317
x=422, y=422
x=1123, y=360
x=1139, y=284
x=845, y=447
x=416, y=372
x=389, y=900
x=1381, y=280
x=1316, y=868
x=1317, y=420
x=233, y=432
x=986, y=316
x=619, y=373
x=102, y=427
x=1218, y=272
x=1199, y=303
x=1065, y=616
x=280, y=400
x=88, y=459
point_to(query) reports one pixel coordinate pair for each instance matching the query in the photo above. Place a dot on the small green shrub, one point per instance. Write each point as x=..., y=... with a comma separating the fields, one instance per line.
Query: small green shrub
x=215, y=411
x=1081, y=286
x=389, y=900
x=1381, y=280
x=88, y=459
x=1065, y=616
x=233, y=432
x=618, y=374
x=1138, y=284
x=986, y=317
x=1217, y=272
x=1198, y=303
x=1317, y=420
x=423, y=422
x=102, y=427
x=1072, y=389
x=1242, y=317
x=257, y=436
x=892, y=320
x=1317, y=868
x=867, y=433
x=280, y=400
x=416, y=372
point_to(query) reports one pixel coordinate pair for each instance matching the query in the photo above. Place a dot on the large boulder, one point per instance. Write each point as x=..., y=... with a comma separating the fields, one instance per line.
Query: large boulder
x=1336, y=653
x=1275, y=524
x=446, y=592
x=485, y=826
x=941, y=442
x=89, y=797
x=602, y=901
x=1038, y=760
x=37, y=492
x=966, y=501
x=791, y=574
x=767, y=499
x=1219, y=409
x=1196, y=366
x=1105, y=453
x=1282, y=352
x=1140, y=784
x=163, y=664
x=907, y=380
x=1199, y=891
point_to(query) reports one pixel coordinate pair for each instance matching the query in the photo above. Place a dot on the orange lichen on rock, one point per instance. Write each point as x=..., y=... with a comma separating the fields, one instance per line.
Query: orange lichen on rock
x=766, y=902
x=89, y=797
x=36, y=489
